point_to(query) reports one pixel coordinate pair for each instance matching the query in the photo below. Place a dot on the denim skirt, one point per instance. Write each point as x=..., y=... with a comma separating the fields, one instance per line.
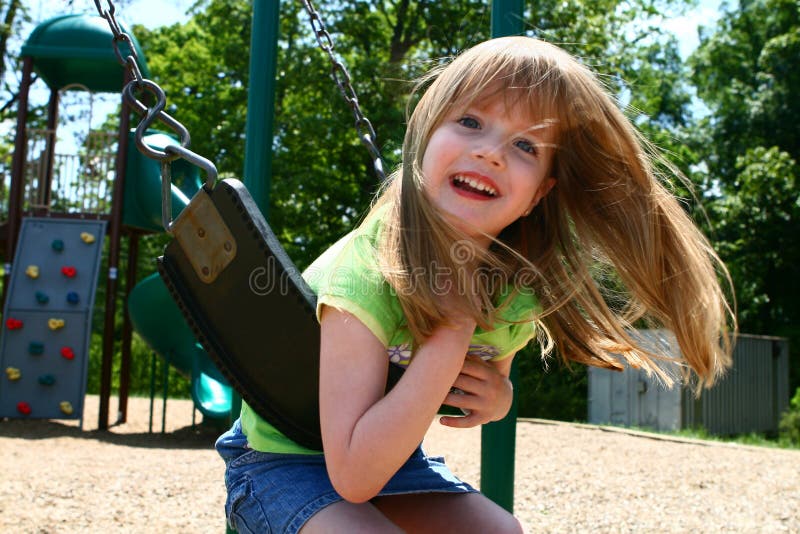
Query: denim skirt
x=278, y=493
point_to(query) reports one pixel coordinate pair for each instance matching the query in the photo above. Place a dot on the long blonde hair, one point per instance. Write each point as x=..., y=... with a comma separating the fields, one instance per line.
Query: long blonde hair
x=609, y=207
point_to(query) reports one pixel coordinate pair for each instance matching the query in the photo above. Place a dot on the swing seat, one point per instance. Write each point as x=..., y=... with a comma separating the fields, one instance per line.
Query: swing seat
x=249, y=308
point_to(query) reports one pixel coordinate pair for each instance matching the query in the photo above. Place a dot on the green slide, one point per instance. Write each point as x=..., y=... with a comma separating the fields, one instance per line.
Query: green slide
x=154, y=314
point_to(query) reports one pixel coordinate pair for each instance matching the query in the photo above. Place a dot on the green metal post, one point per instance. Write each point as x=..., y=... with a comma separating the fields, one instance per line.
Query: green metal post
x=257, y=173
x=498, y=439
x=261, y=101
x=260, y=112
x=507, y=17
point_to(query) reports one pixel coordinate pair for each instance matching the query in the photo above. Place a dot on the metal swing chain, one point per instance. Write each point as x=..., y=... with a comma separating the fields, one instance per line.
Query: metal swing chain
x=139, y=84
x=366, y=133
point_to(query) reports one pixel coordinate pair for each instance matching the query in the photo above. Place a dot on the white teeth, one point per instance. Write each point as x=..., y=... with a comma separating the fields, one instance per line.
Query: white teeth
x=475, y=184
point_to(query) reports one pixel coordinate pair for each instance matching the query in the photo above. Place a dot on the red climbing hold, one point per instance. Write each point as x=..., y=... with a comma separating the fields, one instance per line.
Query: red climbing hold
x=13, y=324
x=69, y=271
x=24, y=408
x=67, y=353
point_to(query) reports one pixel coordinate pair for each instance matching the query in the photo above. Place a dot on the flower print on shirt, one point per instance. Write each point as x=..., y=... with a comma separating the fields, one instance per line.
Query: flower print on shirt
x=401, y=354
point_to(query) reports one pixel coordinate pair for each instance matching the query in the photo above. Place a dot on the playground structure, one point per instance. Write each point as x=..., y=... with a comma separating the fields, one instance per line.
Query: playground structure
x=106, y=190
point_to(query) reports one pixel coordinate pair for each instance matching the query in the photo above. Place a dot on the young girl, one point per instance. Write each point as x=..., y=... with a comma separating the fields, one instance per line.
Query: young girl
x=520, y=181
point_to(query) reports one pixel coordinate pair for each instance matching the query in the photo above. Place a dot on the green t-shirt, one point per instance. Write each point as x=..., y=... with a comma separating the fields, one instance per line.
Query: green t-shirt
x=346, y=277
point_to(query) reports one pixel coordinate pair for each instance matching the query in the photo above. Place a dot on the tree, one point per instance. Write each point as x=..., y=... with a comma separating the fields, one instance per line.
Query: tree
x=321, y=176
x=745, y=72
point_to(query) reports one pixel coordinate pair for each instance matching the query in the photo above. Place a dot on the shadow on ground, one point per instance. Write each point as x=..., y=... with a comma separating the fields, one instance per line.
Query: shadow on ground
x=201, y=436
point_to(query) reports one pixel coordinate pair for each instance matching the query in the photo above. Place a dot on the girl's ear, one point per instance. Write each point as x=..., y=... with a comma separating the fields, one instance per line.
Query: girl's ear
x=544, y=188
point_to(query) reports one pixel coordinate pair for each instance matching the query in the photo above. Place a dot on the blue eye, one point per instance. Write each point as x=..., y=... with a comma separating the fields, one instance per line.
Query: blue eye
x=526, y=146
x=469, y=122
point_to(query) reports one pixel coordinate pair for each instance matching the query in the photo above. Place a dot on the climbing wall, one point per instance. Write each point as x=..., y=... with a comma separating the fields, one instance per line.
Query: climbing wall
x=44, y=350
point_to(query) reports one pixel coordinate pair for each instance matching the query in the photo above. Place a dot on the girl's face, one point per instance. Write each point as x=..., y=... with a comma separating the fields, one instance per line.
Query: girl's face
x=487, y=166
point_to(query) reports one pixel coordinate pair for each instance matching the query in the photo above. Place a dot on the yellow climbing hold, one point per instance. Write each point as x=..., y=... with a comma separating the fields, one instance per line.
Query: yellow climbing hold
x=32, y=271
x=87, y=238
x=13, y=373
x=55, y=324
x=66, y=407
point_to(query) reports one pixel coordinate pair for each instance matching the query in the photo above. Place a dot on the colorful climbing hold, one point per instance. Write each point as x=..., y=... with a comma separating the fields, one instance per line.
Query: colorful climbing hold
x=13, y=324
x=36, y=348
x=42, y=298
x=57, y=245
x=24, y=408
x=32, y=271
x=47, y=380
x=55, y=324
x=69, y=271
x=67, y=353
x=73, y=298
x=66, y=407
x=13, y=373
x=87, y=238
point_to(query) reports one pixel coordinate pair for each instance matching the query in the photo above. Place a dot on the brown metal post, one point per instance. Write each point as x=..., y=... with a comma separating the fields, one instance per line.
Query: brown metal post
x=52, y=124
x=17, y=171
x=127, y=328
x=113, y=262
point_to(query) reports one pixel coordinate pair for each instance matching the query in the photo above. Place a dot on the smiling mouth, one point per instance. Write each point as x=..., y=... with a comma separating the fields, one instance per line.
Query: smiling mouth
x=471, y=185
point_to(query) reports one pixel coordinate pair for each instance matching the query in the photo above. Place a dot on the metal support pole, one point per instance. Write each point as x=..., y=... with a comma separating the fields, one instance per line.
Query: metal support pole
x=260, y=112
x=52, y=124
x=17, y=171
x=114, y=236
x=127, y=330
x=261, y=101
x=498, y=440
x=508, y=17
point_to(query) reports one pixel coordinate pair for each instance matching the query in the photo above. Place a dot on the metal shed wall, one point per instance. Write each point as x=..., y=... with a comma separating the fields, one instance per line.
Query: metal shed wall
x=749, y=398
x=631, y=398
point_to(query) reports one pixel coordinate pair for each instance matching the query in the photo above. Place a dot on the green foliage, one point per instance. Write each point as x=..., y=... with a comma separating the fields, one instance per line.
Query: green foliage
x=322, y=181
x=550, y=390
x=745, y=72
x=790, y=422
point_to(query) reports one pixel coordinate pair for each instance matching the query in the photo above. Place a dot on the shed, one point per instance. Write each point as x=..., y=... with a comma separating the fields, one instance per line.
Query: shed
x=750, y=398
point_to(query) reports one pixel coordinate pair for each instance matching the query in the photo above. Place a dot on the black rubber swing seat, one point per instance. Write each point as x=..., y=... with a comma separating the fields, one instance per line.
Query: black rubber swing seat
x=249, y=307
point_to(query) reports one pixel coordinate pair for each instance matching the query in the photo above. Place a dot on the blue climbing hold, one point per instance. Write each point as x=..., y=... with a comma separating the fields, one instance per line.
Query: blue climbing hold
x=73, y=298
x=47, y=380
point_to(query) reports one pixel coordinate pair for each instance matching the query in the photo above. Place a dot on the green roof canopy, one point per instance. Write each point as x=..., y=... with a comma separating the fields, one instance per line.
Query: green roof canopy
x=78, y=49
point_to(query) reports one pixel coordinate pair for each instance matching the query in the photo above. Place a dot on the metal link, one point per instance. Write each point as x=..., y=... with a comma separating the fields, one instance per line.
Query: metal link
x=366, y=132
x=156, y=112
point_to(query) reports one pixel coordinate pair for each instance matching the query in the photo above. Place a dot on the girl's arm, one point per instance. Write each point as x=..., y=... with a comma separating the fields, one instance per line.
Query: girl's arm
x=367, y=437
x=487, y=392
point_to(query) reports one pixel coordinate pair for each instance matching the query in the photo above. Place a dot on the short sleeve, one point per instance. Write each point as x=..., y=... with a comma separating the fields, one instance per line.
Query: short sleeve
x=519, y=316
x=346, y=277
x=521, y=335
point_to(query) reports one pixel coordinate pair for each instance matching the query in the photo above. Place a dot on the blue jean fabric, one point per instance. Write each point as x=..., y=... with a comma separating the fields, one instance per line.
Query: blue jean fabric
x=278, y=493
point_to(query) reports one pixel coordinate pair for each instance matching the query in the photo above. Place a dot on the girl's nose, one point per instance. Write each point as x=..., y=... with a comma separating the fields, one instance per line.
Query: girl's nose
x=490, y=152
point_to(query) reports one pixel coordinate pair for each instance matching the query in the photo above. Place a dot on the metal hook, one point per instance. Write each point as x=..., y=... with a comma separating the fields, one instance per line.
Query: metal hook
x=174, y=152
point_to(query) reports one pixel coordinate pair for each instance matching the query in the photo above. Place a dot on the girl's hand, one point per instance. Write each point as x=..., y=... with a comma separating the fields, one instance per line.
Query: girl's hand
x=487, y=394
